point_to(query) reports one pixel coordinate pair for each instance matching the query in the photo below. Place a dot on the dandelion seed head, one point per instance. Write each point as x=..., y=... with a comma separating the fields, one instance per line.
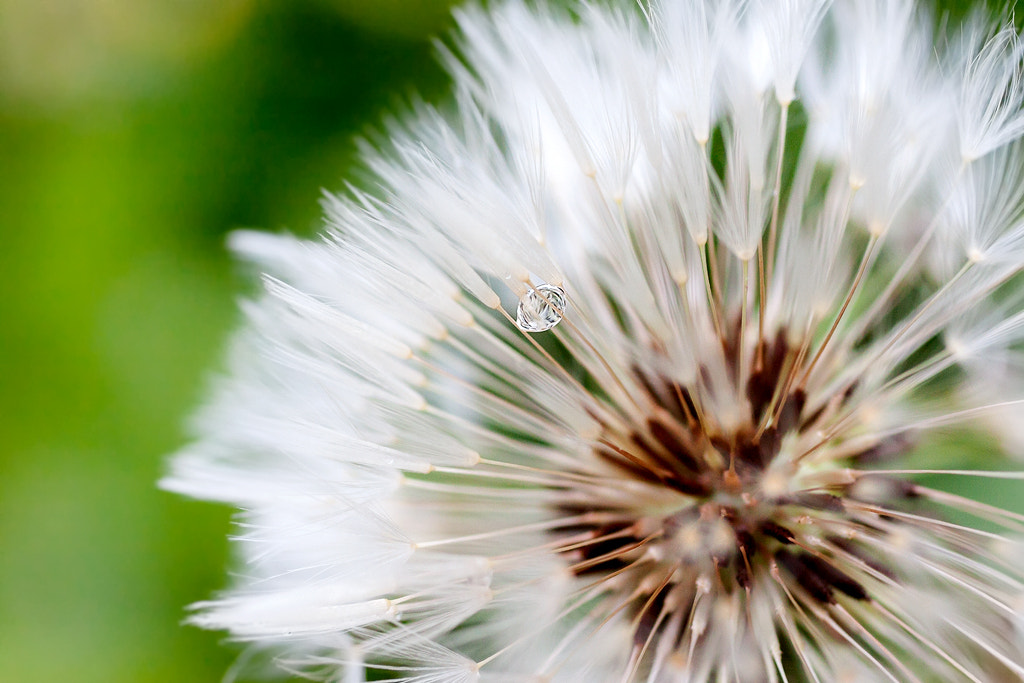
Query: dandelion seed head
x=622, y=372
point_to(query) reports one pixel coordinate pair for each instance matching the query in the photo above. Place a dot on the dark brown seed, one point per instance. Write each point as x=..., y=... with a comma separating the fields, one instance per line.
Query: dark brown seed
x=721, y=445
x=746, y=542
x=663, y=468
x=880, y=489
x=633, y=468
x=760, y=389
x=680, y=402
x=819, y=501
x=789, y=416
x=645, y=381
x=750, y=453
x=861, y=554
x=605, y=547
x=815, y=585
x=892, y=447
x=672, y=443
x=834, y=577
x=760, y=454
x=776, y=531
x=645, y=624
x=809, y=421
x=742, y=574
x=770, y=444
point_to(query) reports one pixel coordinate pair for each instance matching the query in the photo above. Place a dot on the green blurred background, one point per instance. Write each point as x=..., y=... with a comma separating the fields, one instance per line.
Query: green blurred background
x=133, y=135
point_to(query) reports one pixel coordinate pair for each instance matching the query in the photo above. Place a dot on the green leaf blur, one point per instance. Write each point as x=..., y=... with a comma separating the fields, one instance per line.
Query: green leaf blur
x=133, y=136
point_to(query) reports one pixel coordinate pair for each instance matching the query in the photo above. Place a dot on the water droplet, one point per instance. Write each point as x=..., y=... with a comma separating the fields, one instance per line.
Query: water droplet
x=541, y=308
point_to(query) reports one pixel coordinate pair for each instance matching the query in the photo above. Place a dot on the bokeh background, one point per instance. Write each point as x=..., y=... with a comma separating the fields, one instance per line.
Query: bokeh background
x=134, y=134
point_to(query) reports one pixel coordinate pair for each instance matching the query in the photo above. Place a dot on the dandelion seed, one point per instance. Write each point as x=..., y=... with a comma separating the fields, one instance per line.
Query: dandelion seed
x=792, y=233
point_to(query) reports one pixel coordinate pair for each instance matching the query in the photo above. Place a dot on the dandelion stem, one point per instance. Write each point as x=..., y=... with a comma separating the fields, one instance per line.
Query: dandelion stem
x=741, y=360
x=712, y=300
x=789, y=624
x=988, y=474
x=927, y=642
x=948, y=418
x=544, y=353
x=762, y=294
x=773, y=227
x=626, y=394
x=846, y=303
x=638, y=653
x=497, y=533
x=905, y=327
x=988, y=647
x=882, y=301
x=790, y=368
x=825, y=617
x=601, y=559
x=572, y=607
x=661, y=473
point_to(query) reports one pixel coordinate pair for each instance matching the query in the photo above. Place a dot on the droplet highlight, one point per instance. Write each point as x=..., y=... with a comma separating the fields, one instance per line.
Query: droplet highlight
x=541, y=308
